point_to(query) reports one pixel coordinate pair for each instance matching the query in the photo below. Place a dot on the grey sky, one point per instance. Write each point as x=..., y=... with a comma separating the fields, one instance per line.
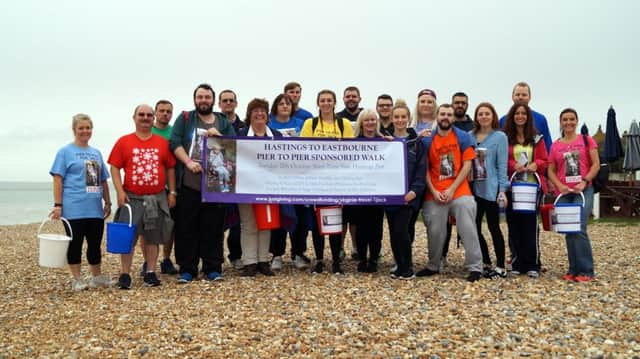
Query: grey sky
x=64, y=57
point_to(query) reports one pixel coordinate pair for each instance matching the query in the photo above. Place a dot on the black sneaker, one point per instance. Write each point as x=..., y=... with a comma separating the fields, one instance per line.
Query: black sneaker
x=143, y=269
x=124, y=282
x=318, y=268
x=166, y=267
x=408, y=275
x=336, y=269
x=265, y=268
x=426, y=273
x=249, y=270
x=151, y=280
x=362, y=267
x=372, y=267
x=474, y=276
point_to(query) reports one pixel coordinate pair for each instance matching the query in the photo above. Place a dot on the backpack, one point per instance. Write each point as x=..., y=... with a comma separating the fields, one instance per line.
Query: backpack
x=315, y=120
x=601, y=179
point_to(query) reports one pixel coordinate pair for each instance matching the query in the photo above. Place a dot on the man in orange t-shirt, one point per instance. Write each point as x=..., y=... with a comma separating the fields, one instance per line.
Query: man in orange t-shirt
x=449, y=155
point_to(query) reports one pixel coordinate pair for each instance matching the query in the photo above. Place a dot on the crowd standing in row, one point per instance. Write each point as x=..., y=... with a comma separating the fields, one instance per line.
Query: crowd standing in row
x=459, y=169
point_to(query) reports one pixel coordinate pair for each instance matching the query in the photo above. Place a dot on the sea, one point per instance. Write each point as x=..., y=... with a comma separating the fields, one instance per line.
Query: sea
x=27, y=202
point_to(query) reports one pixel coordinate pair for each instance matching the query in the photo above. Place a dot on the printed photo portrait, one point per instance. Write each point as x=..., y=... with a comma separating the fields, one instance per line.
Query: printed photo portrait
x=479, y=164
x=446, y=166
x=92, y=170
x=195, y=151
x=220, y=165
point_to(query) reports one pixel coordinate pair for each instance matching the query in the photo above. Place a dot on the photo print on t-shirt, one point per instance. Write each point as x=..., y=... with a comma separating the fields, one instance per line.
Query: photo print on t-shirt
x=572, y=166
x=480, y=165
x=446, y=166
x=523, y=159
x=92, y=176
x=195, y=151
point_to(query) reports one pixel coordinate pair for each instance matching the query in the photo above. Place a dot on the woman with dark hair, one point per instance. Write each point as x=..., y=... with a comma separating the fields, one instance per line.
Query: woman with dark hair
x=255, y=242
x=570, y=185
x=368, y=219
x=527, y=157
x=401, y=229
x=281, y=118
x=79, y=188
x=490, y=183
x=326, y=125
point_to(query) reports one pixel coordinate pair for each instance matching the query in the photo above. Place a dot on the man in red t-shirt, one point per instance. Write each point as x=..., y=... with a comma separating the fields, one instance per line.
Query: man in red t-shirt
x=148, y=164
x=449, y=155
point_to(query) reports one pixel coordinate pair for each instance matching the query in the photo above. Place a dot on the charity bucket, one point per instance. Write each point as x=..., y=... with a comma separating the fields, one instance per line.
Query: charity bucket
x=53, y=247
x=267, y=215
x=329, y=219
x=524, y=195
x=120, y=236
x=546, y=211
x=567, y=217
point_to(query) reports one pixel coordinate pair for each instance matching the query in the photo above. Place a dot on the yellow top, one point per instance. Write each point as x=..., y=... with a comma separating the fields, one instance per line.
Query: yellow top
x=326, y=131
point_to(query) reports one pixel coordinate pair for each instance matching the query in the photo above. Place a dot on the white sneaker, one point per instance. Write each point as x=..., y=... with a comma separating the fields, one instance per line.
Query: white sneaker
x=276, y=263
x=393, y=269
x=237, y=264
x=443, y=263
x=300, y=262
x=79, y=284
x=533, y=274
x=100, y=281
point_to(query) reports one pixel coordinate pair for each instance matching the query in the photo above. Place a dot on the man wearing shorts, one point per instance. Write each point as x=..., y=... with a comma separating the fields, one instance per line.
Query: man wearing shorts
x=148, y=164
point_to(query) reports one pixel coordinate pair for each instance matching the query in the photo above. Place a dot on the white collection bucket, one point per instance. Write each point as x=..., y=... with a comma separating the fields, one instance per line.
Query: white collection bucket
x=53, y=247
x=329, y=219
x=567, y=217
x=524, y=195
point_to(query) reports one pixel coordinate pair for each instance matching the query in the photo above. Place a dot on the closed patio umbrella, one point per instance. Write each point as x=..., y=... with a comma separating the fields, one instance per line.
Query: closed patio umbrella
x=632, y=152
x=584, y=129
x=612, y=143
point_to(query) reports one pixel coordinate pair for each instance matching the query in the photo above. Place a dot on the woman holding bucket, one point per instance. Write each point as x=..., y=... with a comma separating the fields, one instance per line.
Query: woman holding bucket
x=490, y=182
x=254, y=241
x=79, y=187
x=527, y=157
x=570, y=185
x=327, y=125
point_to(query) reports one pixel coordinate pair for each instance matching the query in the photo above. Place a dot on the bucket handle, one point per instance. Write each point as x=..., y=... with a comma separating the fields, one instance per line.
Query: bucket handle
x=535, y=173
x=130, y=213
x=47, y=219
x=557, y=198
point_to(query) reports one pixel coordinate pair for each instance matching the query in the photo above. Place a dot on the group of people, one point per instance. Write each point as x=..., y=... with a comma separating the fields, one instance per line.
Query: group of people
x=459, y=170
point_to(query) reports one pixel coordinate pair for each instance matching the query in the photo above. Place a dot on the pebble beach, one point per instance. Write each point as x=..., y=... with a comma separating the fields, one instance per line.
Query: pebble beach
x=296, y=314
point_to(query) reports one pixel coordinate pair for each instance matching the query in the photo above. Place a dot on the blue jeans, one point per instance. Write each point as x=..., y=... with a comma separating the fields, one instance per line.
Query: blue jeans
x=578, y=244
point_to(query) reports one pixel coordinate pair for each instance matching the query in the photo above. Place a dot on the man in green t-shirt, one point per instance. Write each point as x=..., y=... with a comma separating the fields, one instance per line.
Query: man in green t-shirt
x=161, y=127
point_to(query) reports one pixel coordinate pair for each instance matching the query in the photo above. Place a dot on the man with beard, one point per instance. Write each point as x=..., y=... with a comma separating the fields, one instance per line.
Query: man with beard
x=228, y=102
x=200, y=226
x=384, y=103
x=460, y=103
x=294, y=91
x=148, y=165
x=449, y=193
x=351, y=98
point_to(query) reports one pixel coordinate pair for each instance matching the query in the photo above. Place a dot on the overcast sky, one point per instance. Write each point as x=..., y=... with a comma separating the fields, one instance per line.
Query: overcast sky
x=64, y=57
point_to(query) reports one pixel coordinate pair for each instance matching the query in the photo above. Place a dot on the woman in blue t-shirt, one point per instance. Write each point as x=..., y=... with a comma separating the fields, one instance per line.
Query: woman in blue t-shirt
x=79, y=187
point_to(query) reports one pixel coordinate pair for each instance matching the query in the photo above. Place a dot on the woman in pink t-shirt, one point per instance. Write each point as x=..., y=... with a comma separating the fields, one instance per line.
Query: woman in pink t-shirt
x=573, y=163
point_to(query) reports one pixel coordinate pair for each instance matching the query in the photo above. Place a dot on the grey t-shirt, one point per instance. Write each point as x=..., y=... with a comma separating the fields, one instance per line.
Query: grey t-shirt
x=190, y=179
